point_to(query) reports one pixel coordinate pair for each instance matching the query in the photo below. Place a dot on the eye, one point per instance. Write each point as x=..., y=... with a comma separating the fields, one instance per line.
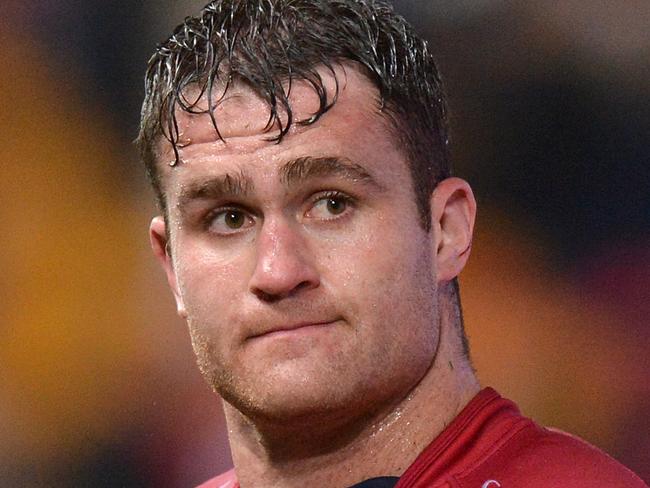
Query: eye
x=229, y=221
x=329, y=206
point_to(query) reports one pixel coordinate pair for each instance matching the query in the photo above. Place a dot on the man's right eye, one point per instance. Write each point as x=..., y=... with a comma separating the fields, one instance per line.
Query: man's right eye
x=229, y=221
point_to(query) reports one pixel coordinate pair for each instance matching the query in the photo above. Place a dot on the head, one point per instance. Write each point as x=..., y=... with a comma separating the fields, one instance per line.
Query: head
x=286, y=140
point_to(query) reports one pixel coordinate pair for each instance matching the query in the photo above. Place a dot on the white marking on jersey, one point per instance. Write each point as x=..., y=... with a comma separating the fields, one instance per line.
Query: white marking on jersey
x=490, y=482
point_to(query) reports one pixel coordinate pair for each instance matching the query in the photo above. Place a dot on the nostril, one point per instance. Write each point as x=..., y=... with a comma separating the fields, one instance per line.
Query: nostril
x=267, y=297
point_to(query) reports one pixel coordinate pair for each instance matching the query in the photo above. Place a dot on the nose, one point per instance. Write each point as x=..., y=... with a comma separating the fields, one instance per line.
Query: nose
x=284, y=266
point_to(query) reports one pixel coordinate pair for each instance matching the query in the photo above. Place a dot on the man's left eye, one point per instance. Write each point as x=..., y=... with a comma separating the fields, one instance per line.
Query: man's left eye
x=329, y=207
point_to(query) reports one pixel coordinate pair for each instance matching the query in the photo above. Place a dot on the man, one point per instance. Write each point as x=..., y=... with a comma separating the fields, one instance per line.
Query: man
x=311, y=233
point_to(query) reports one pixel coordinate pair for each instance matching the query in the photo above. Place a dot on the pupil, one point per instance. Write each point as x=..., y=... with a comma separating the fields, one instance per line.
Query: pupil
x=234, y=220
x=335, y=206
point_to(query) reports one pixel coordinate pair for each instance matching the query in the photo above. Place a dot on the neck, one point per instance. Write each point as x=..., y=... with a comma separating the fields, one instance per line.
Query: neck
x=383, y=443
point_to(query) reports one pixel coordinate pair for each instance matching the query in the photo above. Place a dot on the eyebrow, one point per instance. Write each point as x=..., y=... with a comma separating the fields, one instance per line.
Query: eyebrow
x=230, y=185
x=299, y=170
x=292, y=173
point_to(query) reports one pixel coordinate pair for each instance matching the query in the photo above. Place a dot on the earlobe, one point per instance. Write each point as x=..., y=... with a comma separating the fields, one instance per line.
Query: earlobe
x=161, y=249
x=453, y=211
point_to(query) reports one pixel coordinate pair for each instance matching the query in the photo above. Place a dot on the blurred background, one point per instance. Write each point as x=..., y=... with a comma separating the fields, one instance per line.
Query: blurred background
x=550, y=107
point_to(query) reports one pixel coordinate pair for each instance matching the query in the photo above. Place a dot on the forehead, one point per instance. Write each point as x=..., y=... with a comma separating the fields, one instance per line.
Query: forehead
x=243, y=122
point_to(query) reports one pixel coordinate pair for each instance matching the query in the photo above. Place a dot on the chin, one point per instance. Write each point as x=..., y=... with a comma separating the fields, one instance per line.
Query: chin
x=280, y=400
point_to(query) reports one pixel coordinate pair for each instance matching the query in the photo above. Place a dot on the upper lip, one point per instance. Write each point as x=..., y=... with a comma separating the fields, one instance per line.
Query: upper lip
x=290, y=326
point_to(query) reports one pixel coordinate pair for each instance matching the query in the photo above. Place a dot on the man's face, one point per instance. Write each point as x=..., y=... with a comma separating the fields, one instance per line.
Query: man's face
x=306, y=279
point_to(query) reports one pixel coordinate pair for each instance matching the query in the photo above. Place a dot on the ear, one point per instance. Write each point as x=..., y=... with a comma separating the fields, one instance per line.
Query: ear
x=161, y=249
x=453, y=211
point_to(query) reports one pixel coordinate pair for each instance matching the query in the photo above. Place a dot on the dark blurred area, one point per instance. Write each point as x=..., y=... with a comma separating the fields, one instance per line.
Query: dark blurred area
x=550, y=111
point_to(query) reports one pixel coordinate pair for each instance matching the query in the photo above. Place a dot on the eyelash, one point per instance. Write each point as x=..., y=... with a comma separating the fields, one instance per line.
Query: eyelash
x=334, y=194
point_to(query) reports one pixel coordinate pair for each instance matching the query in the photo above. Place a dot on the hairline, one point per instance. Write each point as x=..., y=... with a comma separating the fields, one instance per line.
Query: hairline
x=387, y=114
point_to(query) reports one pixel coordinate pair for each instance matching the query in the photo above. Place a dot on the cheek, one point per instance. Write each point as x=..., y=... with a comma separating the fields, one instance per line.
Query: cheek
x=210, y=286
x=387, y=255
x=388, y=274
x=210, y=295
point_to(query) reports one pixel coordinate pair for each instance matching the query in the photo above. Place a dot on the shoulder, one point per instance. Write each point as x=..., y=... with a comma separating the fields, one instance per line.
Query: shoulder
x=538, y=457
x=225, y=480
x=574, y=462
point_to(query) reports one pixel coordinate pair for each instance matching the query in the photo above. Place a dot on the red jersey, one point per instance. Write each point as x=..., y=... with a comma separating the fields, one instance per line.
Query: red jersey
x=491, y=445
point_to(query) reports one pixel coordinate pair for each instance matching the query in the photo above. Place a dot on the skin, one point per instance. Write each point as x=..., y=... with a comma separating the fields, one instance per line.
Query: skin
x=317, y=305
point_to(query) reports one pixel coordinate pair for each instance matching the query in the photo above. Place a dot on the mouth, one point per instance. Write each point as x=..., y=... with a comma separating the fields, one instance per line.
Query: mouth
x=294, y=330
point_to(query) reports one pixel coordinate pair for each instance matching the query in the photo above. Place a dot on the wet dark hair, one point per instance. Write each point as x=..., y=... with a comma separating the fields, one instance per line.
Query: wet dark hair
x=267, y=44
